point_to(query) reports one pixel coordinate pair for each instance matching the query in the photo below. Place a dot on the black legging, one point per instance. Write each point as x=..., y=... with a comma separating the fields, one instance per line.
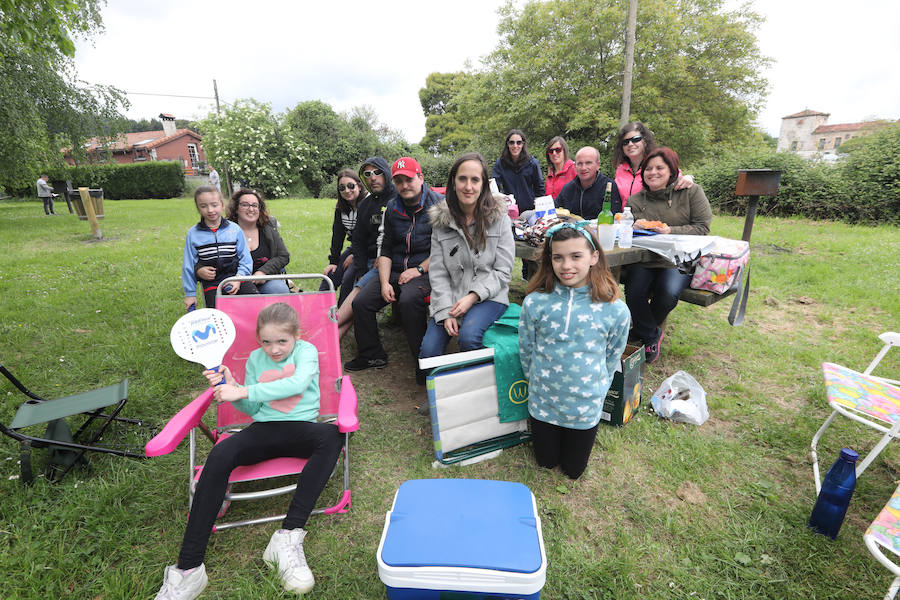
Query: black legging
x=209, y=293
x=319, y=442
x=564, y=446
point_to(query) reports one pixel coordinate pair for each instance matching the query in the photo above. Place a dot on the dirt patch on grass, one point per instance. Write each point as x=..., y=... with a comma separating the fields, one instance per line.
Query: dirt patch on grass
x=782, y=316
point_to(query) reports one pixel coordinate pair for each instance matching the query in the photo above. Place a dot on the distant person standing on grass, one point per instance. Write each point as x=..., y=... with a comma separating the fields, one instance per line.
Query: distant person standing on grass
x=45, y=193
x=214, y=178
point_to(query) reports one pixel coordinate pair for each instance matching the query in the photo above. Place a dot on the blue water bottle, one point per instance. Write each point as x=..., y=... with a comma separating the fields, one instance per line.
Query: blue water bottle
x=837, y=488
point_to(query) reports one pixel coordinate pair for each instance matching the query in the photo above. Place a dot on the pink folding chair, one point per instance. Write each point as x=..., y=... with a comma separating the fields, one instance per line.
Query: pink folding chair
x=318, y=325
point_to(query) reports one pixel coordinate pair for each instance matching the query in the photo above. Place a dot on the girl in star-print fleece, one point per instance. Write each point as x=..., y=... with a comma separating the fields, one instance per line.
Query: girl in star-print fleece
x=572, y=332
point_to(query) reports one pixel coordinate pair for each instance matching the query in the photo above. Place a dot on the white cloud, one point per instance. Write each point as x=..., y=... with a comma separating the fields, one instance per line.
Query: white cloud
x=345, y=53
x=830, y=55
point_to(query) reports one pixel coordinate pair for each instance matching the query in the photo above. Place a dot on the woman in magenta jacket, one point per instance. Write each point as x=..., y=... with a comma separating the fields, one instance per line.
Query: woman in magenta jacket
x=634, y=144
x=560, y=168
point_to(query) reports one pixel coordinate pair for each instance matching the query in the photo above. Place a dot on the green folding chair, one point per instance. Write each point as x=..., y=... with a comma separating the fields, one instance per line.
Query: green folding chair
x=67, y=449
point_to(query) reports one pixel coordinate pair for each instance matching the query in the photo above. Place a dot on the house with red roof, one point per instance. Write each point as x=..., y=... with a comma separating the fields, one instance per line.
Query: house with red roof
x=808, y=133
x=170, y=143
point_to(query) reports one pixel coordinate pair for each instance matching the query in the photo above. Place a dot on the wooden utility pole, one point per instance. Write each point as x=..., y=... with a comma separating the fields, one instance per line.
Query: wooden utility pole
x=629, y=62
x=224, y=164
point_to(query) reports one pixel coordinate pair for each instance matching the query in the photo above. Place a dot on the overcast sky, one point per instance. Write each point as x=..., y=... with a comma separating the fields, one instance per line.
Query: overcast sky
x=832, y=56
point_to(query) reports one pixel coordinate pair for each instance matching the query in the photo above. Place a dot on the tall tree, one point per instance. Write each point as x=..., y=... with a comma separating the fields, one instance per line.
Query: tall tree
x=339, y=144
x=558, y=67
x=258, y=147
x=46, y=28
x=43, y=106
x=444, y=132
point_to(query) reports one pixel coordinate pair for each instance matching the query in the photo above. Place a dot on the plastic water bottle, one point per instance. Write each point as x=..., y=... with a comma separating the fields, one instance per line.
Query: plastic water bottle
x=837, y=488
x=626, y=228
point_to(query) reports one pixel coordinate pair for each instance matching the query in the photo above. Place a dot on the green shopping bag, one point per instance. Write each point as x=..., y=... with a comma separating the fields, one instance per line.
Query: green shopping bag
x=512, y=387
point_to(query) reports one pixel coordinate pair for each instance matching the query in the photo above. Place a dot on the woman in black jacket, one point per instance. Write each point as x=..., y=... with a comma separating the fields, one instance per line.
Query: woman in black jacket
x=341, y=269
x=270, y=255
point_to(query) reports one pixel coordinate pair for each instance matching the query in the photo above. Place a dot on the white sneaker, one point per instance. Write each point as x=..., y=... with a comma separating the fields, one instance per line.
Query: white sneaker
x=285, y=552
x=180, y=585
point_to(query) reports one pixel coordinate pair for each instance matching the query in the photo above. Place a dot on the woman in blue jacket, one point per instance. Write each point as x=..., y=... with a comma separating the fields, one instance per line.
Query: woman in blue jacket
x=517, y=172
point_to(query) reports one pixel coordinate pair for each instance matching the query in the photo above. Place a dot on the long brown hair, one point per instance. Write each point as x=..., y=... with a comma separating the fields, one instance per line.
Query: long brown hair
x=362, y=192
x=619, y=153
x=603, y=285
x=506, y=155
x=478, y=241
x=262, y=220
x=565, y=152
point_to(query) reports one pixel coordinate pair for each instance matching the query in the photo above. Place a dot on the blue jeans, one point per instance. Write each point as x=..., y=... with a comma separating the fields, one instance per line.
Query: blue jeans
x=471, y=329
x=369, y=275
x=273, y=286
x=651, y=294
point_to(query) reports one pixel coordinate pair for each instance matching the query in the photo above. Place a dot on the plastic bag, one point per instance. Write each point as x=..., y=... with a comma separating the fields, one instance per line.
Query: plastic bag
x=681, y=399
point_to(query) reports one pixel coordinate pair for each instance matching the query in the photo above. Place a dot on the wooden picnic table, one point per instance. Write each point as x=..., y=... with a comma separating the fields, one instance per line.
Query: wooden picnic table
x=620, y=257
x=617, y=257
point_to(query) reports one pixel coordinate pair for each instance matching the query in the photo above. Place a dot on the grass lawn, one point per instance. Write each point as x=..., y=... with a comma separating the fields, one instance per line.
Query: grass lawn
x=664, y=510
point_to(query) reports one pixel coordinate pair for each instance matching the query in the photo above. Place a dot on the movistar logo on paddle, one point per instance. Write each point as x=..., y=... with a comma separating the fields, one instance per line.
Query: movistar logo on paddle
x=208, y=334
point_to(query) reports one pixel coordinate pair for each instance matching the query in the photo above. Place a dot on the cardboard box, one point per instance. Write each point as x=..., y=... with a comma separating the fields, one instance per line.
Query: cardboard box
x=624, y=396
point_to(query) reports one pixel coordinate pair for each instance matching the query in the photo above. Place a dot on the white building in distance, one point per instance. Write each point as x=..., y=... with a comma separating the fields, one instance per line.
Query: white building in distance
x=808, y=134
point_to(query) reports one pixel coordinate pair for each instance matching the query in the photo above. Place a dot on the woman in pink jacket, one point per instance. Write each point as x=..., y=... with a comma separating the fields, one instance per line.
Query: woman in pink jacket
x=560, y=168
x=636, y=142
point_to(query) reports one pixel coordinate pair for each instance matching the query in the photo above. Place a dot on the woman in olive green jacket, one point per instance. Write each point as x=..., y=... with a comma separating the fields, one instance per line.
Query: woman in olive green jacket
x=652, y=289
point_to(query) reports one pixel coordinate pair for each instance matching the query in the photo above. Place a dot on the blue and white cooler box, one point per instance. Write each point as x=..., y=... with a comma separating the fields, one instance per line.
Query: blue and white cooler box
x=454, y=539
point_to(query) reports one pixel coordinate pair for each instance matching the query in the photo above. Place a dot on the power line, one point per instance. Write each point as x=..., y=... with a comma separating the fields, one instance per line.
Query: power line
x=170, y=95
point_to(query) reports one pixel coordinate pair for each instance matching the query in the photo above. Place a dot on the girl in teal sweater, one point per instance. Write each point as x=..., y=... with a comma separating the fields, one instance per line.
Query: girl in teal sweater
x=282, y=396
x=572, y=332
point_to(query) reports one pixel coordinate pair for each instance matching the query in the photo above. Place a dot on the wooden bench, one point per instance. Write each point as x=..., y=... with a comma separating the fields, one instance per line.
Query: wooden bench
x=702, y=297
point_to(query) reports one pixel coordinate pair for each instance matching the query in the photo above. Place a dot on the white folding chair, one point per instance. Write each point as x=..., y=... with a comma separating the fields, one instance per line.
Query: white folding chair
x=884, y=533
x=865, y=398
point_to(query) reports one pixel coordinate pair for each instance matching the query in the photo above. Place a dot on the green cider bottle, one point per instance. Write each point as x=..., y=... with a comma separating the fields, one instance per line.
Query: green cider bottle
x=605, y=217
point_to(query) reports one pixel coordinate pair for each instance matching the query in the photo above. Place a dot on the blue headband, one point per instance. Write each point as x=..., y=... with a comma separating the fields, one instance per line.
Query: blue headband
x=576, y=226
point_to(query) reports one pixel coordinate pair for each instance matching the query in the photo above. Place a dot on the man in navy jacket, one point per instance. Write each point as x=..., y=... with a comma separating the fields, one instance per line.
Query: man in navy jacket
x=402, y=269
x=584, y=195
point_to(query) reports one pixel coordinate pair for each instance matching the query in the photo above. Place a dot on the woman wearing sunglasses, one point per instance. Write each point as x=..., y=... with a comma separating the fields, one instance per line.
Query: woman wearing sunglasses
x=517, y=172
x=267, y=249
x=560, y=168
x=341, y=269
x=634, y=144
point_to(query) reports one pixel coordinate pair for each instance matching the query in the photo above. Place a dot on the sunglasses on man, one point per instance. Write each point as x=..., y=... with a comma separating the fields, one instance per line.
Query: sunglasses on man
x=372, y=173
x=349, y=186
x=632, y=140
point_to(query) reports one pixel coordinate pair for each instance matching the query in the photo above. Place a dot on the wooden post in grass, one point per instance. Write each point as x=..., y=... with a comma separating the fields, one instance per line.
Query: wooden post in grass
x=88, y=204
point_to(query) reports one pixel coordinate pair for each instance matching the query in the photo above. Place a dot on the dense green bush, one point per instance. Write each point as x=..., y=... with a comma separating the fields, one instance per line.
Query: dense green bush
x=157, y=179
x=864, y=187
x=807, y=188
x=872, y=173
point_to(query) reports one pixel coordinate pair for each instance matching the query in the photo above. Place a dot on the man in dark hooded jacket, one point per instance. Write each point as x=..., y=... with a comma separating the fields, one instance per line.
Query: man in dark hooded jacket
x=402, y=269
x=376, y=176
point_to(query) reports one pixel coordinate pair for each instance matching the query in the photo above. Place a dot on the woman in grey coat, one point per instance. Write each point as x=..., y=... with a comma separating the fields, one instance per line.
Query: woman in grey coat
x=472, y=254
